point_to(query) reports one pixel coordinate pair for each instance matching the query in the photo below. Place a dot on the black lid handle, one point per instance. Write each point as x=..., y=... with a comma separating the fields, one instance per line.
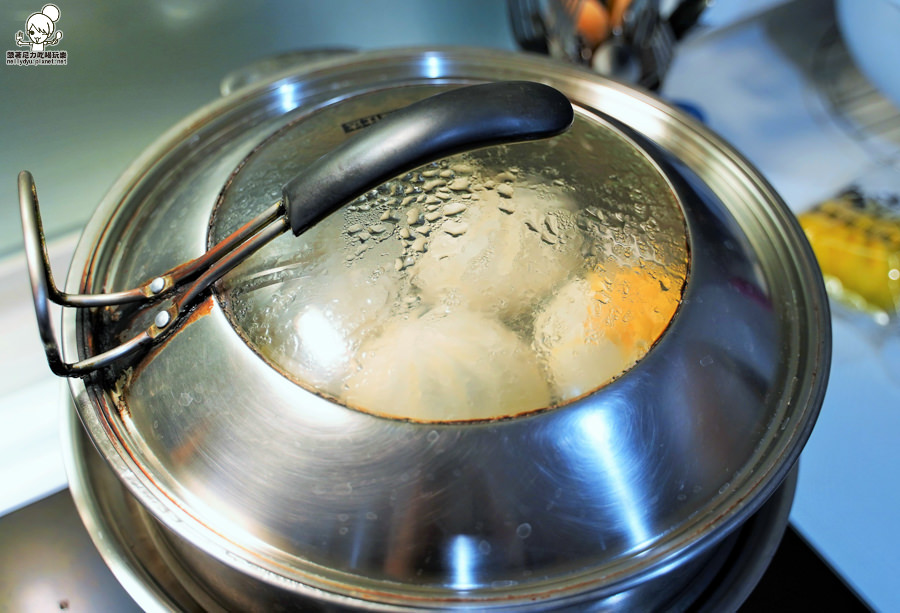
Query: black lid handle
x=450, y=122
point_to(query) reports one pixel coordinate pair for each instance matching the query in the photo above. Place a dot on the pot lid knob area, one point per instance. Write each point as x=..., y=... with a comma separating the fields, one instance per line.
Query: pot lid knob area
x=484, y=285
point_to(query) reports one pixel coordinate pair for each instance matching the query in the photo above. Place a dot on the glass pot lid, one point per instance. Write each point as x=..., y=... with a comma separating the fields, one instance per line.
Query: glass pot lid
x=356, y=412
x=486, y=285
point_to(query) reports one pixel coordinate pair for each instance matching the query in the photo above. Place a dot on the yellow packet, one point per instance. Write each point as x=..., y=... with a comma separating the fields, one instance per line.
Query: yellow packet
x=857, y=243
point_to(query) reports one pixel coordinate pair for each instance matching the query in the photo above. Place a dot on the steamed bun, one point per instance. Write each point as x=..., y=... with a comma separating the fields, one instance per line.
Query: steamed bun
x=504, y=262
x=598, y=326
x=445, y=367
x=579, y=356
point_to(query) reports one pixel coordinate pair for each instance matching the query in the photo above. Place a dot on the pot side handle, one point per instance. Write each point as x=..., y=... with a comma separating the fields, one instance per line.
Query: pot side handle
x=451, y=122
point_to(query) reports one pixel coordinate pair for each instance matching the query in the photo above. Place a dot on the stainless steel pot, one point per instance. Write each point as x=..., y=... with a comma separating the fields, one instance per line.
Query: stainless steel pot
x=280, y=473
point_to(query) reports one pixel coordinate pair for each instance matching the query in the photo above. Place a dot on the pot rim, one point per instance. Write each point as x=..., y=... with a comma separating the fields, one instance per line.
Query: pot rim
x=133, y=562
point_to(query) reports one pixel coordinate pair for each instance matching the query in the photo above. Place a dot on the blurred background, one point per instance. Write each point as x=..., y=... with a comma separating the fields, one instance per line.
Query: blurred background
x=802, y=88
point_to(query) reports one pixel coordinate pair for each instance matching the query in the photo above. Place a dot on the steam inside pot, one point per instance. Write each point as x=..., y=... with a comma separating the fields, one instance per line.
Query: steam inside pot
x=486, y=285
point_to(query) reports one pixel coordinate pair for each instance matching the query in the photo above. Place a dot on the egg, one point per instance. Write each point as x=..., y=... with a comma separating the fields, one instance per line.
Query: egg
x=592, y=22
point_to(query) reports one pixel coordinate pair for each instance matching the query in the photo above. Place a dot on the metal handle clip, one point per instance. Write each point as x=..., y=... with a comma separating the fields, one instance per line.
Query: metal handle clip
x=201, y=272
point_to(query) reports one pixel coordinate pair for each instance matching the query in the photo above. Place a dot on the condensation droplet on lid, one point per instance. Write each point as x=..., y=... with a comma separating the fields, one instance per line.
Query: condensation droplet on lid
x=552, y=224
x=430, y=185
x=454, y=208
x=455, y=228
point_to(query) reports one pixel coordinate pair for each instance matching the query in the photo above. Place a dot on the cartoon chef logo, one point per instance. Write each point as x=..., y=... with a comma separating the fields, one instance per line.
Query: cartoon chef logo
x=41, y=29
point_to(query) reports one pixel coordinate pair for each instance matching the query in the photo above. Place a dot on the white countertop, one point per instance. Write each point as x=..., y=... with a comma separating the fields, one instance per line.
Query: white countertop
x=752, y=86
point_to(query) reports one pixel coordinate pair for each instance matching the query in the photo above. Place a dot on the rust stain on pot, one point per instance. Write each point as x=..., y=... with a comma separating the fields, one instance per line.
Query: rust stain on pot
x=201, y=310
